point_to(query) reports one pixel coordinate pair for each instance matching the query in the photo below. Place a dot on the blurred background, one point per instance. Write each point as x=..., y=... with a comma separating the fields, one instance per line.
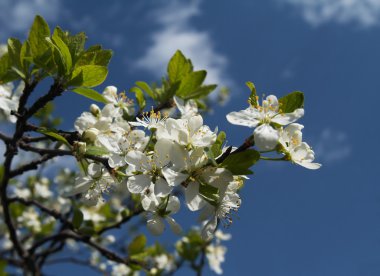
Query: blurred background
x=292, y=221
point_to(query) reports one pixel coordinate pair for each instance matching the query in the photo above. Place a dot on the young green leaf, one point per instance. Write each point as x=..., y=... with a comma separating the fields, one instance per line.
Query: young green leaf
x=216, y=148
x=14, y=50
x=63, y=50
x=191, y=83
x=291, y=102
x=201, y=92
x=52, y=133
x=77, y=218
x=137, y=245
x=178, y=67
x=239, y=163
x=90, y=93
x=139, y=97
x=92, y=75
x=146, y=88
x=97, y=151
x=37, y=37
x=253, y=97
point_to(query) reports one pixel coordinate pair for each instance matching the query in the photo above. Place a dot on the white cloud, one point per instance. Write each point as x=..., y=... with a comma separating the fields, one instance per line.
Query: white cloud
x=16, y=16
x=175, y=33
x=332, y=146
x=365, y=13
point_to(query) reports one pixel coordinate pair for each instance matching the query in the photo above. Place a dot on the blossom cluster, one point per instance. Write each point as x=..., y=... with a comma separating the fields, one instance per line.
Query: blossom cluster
x=172, y=156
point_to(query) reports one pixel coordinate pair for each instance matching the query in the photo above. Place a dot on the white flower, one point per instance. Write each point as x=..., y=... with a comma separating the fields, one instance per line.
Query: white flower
x=9, y=99
x=188, y=109
x=160, y=211
x=120, y=101
x=299, y=152
x=150, y=120
x=215, y=256
x=120, y=269
x=164, y=262
x=265, y=136
x=229, y=200
x=93, y=185
x=120, y=143
x=187, y=132
x=145, y=170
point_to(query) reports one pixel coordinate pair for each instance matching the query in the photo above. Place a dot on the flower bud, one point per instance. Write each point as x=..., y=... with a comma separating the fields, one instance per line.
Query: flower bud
x=90, y=134
x=95, y=110
x=80, y=148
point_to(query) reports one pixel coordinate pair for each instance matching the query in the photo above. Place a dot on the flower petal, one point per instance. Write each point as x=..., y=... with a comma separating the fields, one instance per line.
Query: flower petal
x=266, y=137
x=287, y=118
x=172, y=177
x=162, y=188
x=193, y=200
x=173, y=205
x=138, y=183
x=156, y=225
x=174, y=226
x=248, y=117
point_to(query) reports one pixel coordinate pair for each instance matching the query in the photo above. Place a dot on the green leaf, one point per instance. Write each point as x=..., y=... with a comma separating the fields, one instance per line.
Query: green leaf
x=239, y=163
x=91, y=75
x=52, y=133
x=90, y=93
x=64, y=59
x=253, y=97
x=25, y=56
x=97, y=151
x=6, y=74
x=191, y=83
x=137, y=245
x=178, y=67
x=76, y=45
x=99, y=57
x=14, y=50
x=201, y=92
x=77, y=218
x=37, y=37
x=216, y=148
x=209, y=193
x=146, y=88
x=139, y=97
x=291, y=102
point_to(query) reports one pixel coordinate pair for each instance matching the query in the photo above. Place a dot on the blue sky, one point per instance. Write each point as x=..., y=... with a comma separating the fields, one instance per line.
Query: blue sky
x=292, y=221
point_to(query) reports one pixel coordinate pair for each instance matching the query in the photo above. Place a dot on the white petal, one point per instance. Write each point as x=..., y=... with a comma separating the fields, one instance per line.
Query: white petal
x=95, y=170
x=209, y=229
x=174, y=226
x=156, y=225
x=172, y=177
x=287, y=118
x=162, y=188
x=110, y=94
x=138, y=183
x=139, y=160
x=149, y=201
x=195, y=123
x=193, y=200
x=173, y=205
x=116, y=160
x=82, y=184
x=248, y=117
x=308, y=165
x=266, y=137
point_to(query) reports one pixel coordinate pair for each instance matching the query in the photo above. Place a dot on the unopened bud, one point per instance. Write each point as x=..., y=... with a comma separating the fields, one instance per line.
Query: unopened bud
x=90, y=134
x=95, y=110
x=80, y=148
